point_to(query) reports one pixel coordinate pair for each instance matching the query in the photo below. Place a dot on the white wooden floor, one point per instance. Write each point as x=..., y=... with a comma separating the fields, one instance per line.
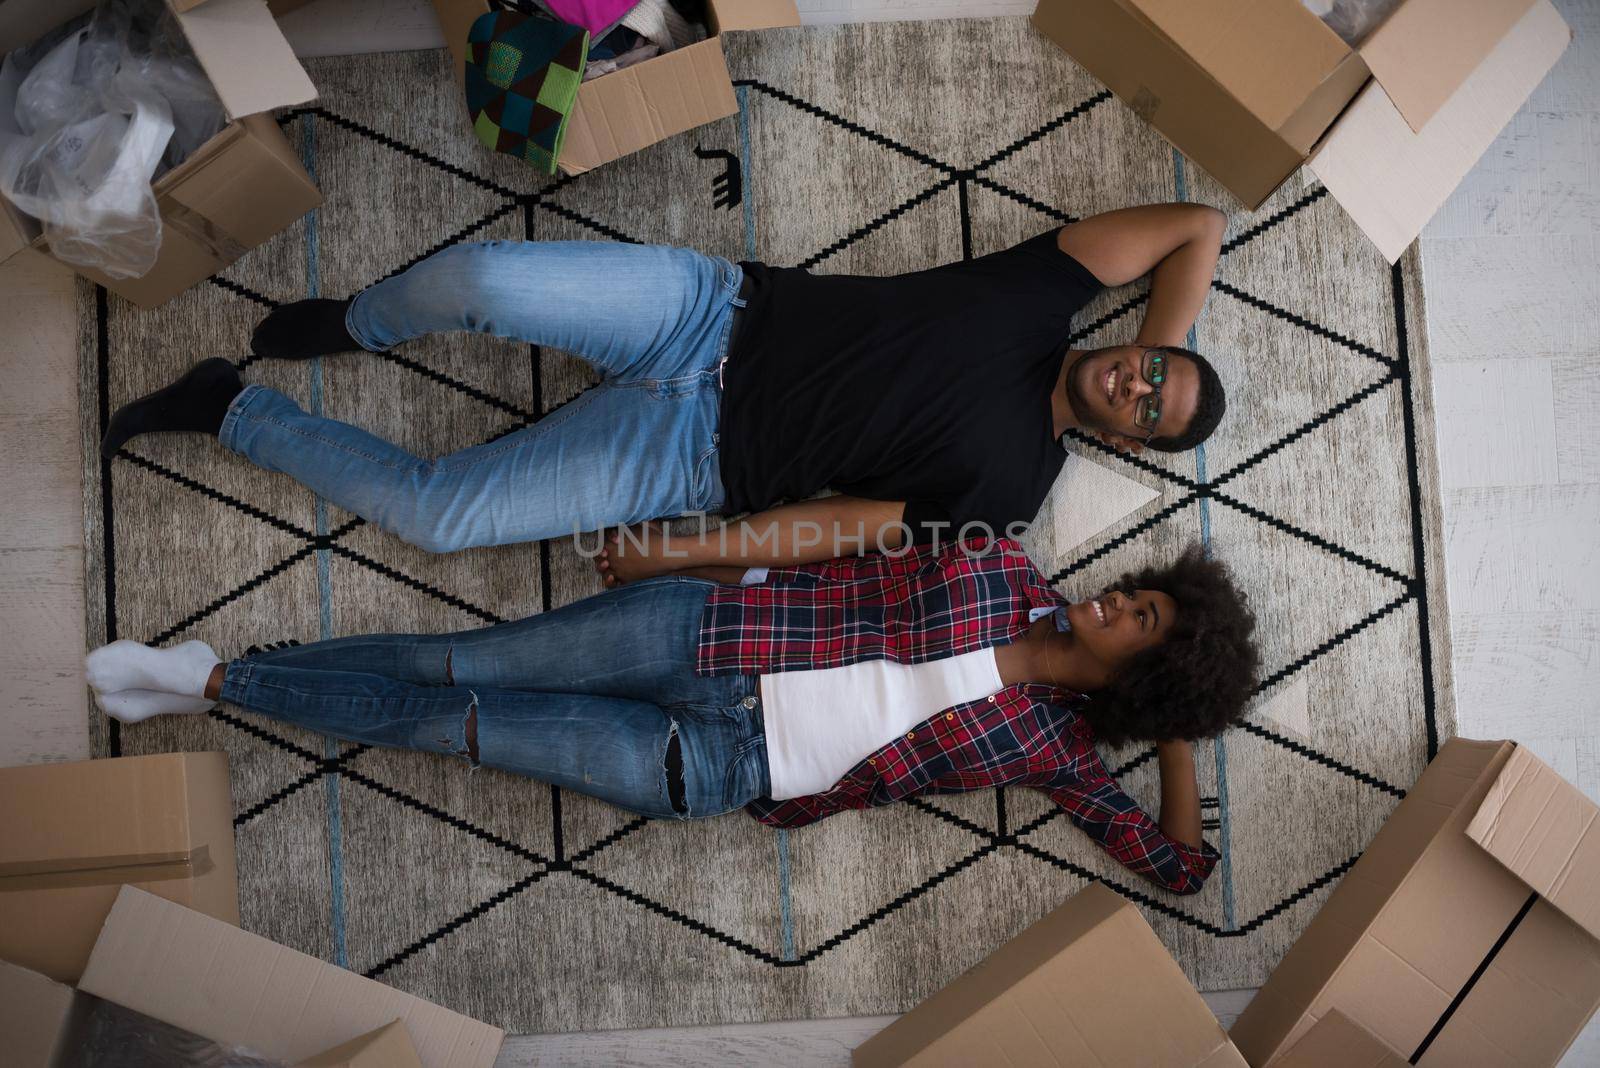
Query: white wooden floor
x=1512, y=270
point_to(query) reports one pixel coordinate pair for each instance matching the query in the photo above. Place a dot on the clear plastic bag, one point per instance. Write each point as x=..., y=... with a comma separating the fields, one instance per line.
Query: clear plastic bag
x=87, y=121
x=114, y=1036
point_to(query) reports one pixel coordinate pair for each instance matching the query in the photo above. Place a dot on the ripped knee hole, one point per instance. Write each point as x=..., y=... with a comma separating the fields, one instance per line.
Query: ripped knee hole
x=672, y=763
x=472, y=731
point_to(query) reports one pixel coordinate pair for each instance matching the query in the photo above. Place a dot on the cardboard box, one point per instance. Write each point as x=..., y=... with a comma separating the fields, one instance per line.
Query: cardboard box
x=76, y=832
x=238, y=989
x=233, y=192
x=40, y=1019
x=648, y=102
x=1466, y=934
x=1336, y=1041
x=1251, y=89
x=387, y=1047
x=1090, y=984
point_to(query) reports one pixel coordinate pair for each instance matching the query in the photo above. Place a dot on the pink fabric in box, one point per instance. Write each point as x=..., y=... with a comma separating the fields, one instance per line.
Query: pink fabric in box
x=592, y=15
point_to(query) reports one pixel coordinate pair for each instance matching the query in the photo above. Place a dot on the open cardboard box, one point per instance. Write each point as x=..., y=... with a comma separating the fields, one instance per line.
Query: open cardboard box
x=46, y=1025
x=648, y=102
x=1252, y=89
x=233, y=192
x=74, y=833
x=1467, y=932
x=238, y=989
x=1090, y=984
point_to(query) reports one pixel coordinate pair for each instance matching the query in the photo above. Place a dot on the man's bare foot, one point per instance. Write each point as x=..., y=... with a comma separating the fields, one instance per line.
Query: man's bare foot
x=632, y=554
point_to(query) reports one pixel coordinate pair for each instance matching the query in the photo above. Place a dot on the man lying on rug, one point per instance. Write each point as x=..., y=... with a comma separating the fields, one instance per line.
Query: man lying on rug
x=929, y=401
x=809, y=690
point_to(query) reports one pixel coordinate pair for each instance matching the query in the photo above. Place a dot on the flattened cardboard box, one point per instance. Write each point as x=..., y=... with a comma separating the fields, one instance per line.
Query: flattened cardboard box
x=233, y=192
x=239, y=989
x=1464, y=934
x=1251, y=89
x=637, y=106
x=1090, y=984
x=74, y=833
x=1336, y=1041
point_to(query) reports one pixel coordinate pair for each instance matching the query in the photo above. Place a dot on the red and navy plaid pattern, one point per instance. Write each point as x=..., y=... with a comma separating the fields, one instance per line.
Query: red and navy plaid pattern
x=924, y=606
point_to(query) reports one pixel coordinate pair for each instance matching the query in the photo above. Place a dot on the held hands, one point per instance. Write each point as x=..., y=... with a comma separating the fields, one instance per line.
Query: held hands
x=632, y=554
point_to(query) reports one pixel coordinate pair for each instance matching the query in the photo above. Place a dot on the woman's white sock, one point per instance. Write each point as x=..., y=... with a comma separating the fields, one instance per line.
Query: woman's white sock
x=131, y=706
x=126, y=665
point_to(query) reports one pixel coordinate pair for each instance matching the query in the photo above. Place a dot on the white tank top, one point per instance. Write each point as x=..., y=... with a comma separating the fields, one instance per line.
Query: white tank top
x=820, y=724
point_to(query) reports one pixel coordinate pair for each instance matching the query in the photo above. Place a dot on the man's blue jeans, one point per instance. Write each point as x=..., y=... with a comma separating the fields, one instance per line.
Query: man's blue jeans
x=589, y=697
x=653, y=320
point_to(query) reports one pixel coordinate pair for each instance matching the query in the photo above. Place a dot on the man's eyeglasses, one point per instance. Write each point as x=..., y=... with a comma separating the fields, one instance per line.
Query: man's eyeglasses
x=1153, y=369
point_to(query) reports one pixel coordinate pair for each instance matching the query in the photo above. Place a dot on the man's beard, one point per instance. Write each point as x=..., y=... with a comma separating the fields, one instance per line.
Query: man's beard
x=1075, y=400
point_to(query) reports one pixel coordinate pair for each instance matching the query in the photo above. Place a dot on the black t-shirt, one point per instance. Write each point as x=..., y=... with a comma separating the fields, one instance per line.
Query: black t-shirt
x=931, y=388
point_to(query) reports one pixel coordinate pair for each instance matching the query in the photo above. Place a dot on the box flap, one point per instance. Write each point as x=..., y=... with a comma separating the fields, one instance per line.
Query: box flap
x=23, y=22
x=246, y=56
x=1547, y=832
x=387, y=1047
x=1164, y=87
x=1336, y=1041
x=751, y=14
x=236, y=988
x=1270, y=54
x=37, y=1016
x=1458, y=35
x=1090, y=984
x=1390, y=178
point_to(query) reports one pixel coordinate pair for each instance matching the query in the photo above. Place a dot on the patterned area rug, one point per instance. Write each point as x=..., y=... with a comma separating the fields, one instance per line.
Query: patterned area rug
x=869, y=149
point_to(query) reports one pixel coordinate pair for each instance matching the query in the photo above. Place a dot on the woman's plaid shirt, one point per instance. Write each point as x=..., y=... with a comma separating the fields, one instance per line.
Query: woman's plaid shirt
x=923, y=606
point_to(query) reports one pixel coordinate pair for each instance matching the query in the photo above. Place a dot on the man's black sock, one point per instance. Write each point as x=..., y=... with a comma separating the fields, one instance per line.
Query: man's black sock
x=302, y=330
x=196, y=403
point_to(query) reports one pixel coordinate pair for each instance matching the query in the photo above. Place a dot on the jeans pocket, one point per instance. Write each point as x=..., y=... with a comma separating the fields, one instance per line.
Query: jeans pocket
x=747, y=775
x=706, y=481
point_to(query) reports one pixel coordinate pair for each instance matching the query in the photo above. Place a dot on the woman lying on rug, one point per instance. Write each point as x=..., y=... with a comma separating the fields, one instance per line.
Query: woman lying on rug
x=794, y=693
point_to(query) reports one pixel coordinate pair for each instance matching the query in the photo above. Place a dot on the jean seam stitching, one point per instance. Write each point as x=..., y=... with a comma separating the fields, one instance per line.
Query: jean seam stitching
x=332, y=443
